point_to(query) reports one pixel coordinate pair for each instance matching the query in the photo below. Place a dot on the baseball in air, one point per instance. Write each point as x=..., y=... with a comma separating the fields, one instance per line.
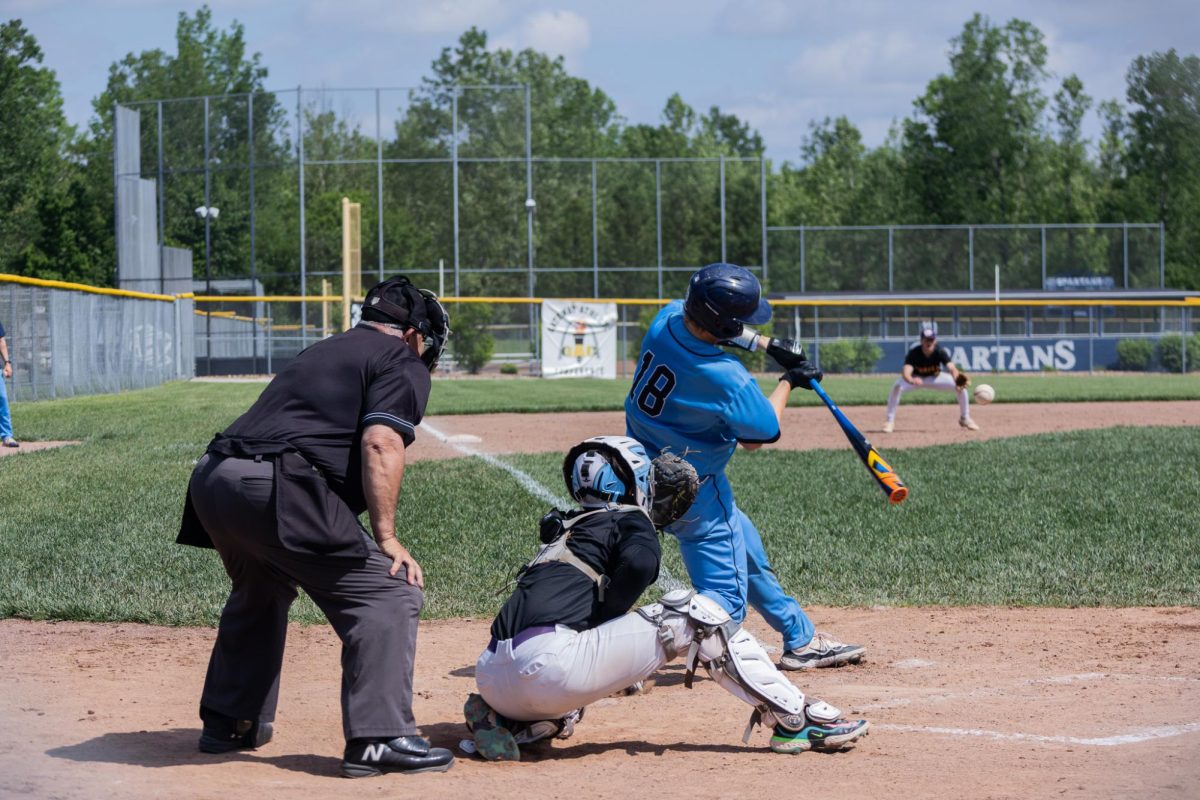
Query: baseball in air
x=984, y=394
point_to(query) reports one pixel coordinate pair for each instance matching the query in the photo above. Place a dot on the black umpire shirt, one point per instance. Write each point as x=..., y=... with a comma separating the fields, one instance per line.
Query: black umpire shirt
x=309, y=422
x=927, y=366
x=623, y=546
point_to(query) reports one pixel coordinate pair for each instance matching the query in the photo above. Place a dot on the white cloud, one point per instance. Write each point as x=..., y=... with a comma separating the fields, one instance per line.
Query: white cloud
x=760, y=17
x=868, y=58
x=410, y=16
x=562, y=33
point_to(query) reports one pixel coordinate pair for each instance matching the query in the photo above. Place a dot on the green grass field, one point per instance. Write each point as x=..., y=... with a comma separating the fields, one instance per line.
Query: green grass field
x=1089, y=518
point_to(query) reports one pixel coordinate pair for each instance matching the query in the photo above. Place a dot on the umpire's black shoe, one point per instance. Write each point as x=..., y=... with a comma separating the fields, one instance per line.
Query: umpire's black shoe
x=222, y=734
x=367, y=757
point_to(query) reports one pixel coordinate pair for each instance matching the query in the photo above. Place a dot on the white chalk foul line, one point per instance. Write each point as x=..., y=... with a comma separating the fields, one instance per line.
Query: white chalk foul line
x=994, y=691
x=530, y=484
x=527, y=481
x=1134, y=737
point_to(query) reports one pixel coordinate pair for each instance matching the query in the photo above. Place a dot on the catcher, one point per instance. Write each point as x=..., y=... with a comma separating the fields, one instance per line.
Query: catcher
x=923, y=370
x=566, y=636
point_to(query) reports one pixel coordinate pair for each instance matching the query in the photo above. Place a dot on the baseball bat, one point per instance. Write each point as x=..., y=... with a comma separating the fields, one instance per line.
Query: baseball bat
x=880, y=470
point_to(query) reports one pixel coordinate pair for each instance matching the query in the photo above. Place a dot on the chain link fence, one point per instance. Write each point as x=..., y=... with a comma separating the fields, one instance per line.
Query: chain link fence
x=70, y=342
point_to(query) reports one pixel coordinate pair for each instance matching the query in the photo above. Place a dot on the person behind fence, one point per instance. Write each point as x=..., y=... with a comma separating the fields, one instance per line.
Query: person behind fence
x=566, y=636
x=6, y=428
x=922, y=369
x=278, y=495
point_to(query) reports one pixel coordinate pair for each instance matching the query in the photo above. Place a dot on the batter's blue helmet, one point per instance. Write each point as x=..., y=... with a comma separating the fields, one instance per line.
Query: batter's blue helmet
x=721, y=297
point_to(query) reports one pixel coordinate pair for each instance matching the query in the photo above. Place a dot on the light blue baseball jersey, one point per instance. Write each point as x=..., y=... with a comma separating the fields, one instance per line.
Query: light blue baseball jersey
x=693, y=398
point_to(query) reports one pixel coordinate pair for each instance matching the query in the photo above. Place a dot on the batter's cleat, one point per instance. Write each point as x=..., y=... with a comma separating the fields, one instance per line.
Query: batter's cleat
x=493, y=740
x=365, y=758
x=822, y=651
x=11, y=442
x=823, y=736
x=888, y=427
x=968, y=423
x=222, y=734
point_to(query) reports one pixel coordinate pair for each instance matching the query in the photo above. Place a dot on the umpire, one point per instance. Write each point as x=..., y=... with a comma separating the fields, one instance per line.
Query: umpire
x=278, y=495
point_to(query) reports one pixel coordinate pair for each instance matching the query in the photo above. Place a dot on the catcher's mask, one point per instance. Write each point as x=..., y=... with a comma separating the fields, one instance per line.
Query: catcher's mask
x=397, y=302
x=606, y=470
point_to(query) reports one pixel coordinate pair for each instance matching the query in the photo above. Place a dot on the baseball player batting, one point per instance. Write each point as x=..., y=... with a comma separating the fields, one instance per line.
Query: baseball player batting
x=691, y=397
x=923, y=370
x=566, y=637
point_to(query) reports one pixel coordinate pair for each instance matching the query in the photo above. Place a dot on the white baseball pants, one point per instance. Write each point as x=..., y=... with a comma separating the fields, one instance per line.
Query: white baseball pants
x=943, y=382
x=549, y=675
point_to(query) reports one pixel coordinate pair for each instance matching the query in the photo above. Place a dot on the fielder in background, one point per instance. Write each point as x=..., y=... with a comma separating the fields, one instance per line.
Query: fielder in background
x=566, y=636
x=923, y=370
x=692, y=398
x=278, y=495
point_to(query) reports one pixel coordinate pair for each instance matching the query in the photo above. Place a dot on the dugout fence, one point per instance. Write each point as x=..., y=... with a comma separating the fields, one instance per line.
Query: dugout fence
x=68, y=339
x=1023, y=334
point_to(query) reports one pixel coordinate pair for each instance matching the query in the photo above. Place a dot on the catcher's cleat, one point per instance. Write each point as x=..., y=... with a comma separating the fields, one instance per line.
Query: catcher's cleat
x=827, y=736
x=968, y=423
x=493, y=740
x=888, y=427
x=365, y=758
x=822, y=651
x=222, y=734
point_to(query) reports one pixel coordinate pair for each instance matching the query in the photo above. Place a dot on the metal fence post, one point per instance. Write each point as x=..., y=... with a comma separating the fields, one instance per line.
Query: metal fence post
x=253, y=253
x=529, y=207
x=658, y=222
x=1043, y=257
x=303, y=262
x=802, y=258
x=379, y=180
x=595, y=238
x=1162, y=255
x=891, y=261
x=970, y=258
x=454, y=177
x=762, y=187
x=1125, y=250
x=162, y=210
x=722, y=171
x=208, y=243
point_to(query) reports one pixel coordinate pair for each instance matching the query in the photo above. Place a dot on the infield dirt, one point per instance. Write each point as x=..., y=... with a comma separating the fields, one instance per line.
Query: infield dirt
x=965, y=702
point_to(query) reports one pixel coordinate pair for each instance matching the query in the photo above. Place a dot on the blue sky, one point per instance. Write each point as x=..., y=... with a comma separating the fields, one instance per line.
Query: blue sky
x=777, y=64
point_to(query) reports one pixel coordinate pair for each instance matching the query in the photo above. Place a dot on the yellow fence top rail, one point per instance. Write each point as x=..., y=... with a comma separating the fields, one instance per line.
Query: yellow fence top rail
x=636, y=301
x=82, y=287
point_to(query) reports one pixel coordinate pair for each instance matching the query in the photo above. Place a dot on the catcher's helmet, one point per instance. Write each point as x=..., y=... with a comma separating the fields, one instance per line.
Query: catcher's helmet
x=720, y=297
x=397, y=302
x=607, y=470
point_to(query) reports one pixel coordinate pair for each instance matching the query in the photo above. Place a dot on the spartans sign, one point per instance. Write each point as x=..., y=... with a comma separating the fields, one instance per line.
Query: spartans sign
x=579, y=340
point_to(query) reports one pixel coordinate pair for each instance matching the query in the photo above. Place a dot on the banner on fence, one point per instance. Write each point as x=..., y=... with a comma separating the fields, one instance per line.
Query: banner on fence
x=579, y=340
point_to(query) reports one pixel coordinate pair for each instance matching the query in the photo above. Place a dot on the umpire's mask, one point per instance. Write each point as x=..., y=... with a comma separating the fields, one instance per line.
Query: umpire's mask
x=396, y=301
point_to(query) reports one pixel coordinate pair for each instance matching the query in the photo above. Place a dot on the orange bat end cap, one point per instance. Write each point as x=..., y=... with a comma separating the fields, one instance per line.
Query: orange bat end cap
x=898, y=496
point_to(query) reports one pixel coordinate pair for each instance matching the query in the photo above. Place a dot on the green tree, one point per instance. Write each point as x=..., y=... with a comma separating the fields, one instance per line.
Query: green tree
x=1163, y=156
x=207, y=62
x=33, y=139
x=973, y=142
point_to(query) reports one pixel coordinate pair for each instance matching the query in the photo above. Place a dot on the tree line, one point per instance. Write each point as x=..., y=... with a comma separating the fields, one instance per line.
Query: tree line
x=985, y=143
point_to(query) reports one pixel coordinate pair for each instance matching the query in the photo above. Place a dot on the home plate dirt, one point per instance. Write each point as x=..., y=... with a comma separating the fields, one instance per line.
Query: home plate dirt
x=964, y=702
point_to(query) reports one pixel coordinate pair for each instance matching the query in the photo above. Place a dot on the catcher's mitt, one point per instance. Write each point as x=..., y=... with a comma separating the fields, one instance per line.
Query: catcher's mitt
x=962, y=380
x=674, y=484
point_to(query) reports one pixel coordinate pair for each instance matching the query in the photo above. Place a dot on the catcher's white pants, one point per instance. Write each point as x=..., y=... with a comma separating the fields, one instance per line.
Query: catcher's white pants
x=943, y=382
x=549, y=675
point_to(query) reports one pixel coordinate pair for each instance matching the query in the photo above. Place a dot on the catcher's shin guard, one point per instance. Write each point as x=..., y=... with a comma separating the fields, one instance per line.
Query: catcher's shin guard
x=733, y=658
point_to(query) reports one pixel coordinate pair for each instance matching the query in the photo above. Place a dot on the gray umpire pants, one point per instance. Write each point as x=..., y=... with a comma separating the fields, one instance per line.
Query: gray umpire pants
x=374, y=614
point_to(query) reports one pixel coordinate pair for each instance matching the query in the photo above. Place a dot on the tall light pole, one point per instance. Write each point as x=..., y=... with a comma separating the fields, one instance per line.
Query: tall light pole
x=208, y=214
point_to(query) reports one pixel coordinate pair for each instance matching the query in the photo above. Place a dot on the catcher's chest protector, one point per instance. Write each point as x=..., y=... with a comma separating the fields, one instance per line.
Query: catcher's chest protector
x=557, y=550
